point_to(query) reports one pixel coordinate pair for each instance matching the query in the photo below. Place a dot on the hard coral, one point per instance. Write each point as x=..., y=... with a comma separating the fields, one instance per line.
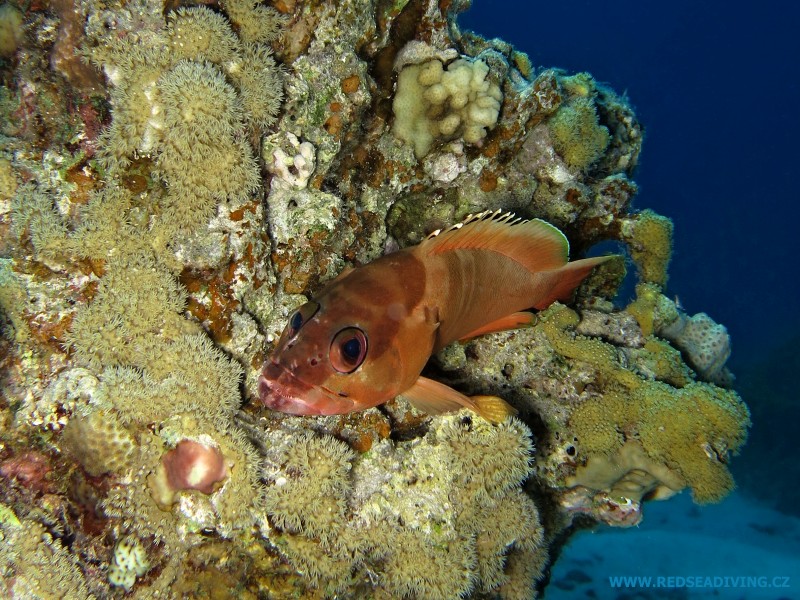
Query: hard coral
x=433, y=103
x=180, y=245
x=99, y=442
x=705, y=343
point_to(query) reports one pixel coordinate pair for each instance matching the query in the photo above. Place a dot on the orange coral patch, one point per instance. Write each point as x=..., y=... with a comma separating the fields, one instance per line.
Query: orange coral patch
x=487, y=181
x=333, y=125
x=350, y=84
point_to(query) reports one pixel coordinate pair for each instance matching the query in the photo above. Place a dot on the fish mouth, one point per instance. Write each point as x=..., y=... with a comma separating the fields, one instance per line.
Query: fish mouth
x=281, y=390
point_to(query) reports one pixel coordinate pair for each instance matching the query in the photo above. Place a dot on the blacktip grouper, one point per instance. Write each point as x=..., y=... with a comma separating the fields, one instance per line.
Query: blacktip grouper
x=366, y=337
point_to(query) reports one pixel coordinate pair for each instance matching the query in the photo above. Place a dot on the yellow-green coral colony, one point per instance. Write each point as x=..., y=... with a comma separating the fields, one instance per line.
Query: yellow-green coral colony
x=649, y=237
x=317, y=498
x=186, y=100
x=160, y=385
x=690, y=428
x=577, y=135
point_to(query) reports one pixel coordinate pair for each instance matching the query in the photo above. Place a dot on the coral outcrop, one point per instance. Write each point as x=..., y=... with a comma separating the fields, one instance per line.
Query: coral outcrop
x=165, y=204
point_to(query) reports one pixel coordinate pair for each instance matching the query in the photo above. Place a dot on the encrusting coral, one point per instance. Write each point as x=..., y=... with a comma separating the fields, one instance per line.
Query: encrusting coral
x=157, y=229
x=706, y=424
x=704, y=343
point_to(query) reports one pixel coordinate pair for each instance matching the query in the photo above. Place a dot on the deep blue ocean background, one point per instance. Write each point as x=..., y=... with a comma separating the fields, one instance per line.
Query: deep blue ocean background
x=717, y=87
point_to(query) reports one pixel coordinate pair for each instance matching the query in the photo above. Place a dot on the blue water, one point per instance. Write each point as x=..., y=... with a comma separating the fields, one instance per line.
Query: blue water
x=716, y=86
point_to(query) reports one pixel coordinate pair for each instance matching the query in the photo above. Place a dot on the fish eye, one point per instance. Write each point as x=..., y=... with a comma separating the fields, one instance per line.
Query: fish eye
x=348, y=350
x=300, y=317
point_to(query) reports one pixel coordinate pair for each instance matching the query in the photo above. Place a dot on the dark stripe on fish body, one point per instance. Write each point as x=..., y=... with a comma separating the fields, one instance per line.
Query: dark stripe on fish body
x=367, y=293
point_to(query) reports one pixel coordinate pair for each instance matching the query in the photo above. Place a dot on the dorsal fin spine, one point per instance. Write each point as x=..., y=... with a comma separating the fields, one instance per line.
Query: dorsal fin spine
x=535, y=244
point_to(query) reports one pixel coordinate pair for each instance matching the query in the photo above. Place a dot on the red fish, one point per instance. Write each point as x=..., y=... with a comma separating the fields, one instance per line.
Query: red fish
x=368, y=334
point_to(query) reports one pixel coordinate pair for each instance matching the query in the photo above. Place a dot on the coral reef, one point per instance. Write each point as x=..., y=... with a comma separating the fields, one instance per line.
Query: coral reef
x=34, y=565
x=11, y=32
x=129, y=562
x=577, y=136
x=175, y=180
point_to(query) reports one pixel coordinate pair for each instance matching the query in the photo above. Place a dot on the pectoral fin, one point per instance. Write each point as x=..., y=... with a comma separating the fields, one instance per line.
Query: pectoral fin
x=435, y=398
x=512, y=321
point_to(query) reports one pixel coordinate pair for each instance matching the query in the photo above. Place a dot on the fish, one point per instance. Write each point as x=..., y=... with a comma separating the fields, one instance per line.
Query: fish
x=365, y=338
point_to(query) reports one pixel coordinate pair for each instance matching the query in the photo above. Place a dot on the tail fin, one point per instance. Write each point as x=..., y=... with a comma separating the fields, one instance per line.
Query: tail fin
x=563, y=282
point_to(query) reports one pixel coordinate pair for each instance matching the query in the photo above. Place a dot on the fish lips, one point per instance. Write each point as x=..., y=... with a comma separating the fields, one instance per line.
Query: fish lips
x=281, y=390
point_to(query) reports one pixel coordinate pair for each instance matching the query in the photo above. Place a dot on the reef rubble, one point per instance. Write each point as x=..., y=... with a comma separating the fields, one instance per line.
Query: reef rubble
x=176, y=179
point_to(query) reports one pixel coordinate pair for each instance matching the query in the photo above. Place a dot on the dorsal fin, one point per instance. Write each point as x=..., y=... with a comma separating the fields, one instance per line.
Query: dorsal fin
x=535, y=244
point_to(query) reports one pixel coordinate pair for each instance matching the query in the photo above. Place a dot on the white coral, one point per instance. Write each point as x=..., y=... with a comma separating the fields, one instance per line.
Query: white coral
x=293, y=169
x=129, y=562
